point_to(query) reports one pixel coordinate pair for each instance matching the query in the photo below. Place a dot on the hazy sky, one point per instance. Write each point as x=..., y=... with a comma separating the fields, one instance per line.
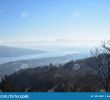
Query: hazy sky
x=51, y=20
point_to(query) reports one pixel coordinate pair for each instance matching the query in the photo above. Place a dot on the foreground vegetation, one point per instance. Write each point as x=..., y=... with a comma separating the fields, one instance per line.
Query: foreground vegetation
x=63, y=78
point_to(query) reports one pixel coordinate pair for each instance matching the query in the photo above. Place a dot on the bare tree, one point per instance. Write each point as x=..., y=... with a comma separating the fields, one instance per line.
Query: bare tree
x=101, y=63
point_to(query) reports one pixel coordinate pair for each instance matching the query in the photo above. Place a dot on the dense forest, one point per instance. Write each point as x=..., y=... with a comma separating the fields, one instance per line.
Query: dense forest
x=62, y=78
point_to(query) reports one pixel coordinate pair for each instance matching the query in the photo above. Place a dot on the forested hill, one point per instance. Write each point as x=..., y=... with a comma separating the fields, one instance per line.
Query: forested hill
x=72, y=76
x=89, y=74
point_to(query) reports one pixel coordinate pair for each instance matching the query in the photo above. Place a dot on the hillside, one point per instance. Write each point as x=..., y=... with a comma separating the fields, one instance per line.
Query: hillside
x=53, y=78
x=71, y=76
x=6, y=51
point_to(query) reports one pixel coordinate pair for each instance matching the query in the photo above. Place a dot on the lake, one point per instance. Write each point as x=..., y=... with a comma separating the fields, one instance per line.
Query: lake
x=54, y=53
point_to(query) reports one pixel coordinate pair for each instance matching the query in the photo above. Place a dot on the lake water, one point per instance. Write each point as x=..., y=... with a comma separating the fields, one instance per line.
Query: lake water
x=56, y=53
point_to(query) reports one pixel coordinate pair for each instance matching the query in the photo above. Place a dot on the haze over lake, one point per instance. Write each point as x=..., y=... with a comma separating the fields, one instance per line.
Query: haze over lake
x=52, y=52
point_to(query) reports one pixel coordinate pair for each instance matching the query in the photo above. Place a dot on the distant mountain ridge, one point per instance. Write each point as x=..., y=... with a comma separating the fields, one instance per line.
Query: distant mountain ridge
x=6, y=51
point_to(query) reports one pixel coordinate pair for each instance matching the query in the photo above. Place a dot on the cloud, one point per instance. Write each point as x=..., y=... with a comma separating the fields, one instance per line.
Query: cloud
x=76, y=14
x=24, y=14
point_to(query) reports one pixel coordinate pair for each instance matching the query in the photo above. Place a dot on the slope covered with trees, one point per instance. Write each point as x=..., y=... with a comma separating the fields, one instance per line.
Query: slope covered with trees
x=52, y=78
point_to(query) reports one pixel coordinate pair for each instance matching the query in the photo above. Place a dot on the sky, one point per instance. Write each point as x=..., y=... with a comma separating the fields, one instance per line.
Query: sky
x=56, y=21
